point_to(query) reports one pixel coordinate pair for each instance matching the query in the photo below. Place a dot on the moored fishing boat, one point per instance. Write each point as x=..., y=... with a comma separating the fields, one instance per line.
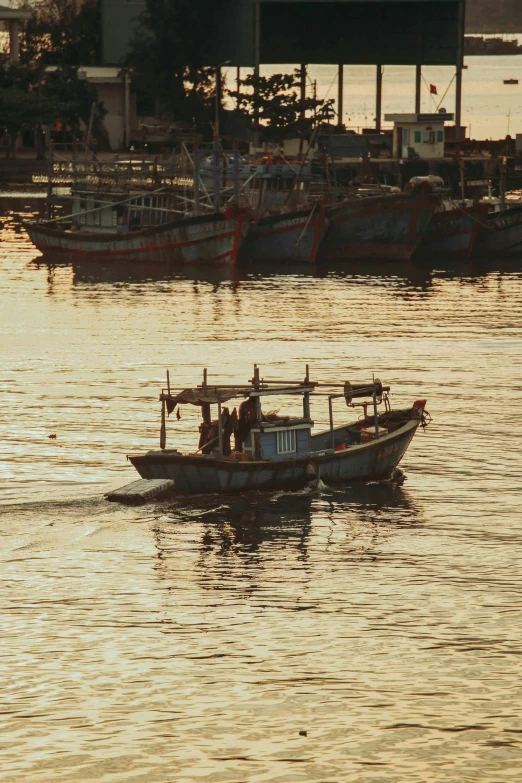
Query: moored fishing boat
x=453, y=232
x=272, y=451
x=204, y=239
x=388, y=227
x=291, y=236
x=501, y=232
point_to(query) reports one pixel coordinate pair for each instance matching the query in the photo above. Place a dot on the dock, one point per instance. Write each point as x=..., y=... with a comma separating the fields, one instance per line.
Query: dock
x=141, y=491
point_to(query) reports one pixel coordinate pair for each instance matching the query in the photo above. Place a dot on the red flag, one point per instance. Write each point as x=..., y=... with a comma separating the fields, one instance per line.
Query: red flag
x=433, y=89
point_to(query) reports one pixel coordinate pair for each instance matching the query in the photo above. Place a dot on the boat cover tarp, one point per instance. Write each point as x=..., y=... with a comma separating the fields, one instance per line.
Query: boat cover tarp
x=201, y=396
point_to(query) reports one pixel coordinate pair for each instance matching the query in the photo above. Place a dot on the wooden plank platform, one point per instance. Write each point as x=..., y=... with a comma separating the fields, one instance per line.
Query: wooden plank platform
x=141, y=491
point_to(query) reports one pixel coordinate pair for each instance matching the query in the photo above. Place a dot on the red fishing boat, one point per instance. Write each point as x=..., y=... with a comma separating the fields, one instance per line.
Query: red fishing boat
x=382, y=228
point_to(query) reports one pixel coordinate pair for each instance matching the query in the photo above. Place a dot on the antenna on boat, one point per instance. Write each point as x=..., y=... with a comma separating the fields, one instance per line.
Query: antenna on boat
x=205, y=378
x=168, y=382
x=307, y=376
x=256, y=377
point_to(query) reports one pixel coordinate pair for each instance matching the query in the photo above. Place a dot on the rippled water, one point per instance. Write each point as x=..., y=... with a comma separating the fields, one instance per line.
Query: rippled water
x=194, y=639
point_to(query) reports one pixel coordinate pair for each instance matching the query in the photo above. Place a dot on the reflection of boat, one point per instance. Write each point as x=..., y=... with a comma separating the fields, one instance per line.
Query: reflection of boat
x=210, y=239
x=453, y=232
x=274, y=451
x=150, y=271
x=387, y=227
x=292, y=236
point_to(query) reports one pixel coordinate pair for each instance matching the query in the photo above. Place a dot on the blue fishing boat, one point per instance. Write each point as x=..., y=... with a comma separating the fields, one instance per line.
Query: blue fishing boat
x=288, y=236
x=501, y=232
x=453, y=231
x=271, y=451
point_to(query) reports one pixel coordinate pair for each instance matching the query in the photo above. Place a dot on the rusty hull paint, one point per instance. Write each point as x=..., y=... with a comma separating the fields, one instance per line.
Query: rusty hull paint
x=294, y=236
x=383, y=228
x=200, y=474
x=197, y=240
x=453, y=232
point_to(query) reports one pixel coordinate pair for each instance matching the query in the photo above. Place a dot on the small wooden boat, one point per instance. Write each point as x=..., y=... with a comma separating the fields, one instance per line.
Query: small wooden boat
x=291, y=236
x=204, y=239
x=382, y=228
x=453, y=232
x=510, y=81
x=272, y=451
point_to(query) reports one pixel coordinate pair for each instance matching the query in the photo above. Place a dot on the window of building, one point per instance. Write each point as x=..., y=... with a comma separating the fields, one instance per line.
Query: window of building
x=286, y=442
x=440, y=136
x=417, y=137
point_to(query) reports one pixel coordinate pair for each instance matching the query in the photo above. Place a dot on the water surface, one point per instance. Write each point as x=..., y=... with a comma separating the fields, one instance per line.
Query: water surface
x=194, y=639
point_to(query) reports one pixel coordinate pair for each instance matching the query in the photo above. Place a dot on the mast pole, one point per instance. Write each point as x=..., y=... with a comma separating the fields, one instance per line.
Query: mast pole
x=375, y=414
x=220, y=429
x=330, y=411
x=163, y=429
x=217, y=98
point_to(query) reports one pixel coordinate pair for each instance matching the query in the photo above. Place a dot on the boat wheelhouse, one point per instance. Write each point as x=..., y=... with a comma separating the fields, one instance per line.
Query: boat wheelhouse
x=273, y=451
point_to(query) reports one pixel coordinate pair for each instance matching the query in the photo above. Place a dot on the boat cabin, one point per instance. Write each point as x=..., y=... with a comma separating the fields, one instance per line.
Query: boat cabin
x=247, y=433
x=120, y=212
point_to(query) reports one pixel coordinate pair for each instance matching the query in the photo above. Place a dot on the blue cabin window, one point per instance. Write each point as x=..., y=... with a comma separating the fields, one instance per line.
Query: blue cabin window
x=286, y=442
x=417, y=137
x=440, y=136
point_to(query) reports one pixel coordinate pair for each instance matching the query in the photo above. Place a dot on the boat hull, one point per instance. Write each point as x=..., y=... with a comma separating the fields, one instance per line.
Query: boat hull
x=200, y=474
x=295, y=236
x=211, y=239
x=383, y=228
x=453, y=232
x=502, y=234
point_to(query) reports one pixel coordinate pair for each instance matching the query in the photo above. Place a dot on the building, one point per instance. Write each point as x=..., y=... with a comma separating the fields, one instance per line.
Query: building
x=114, y=91
x=418, y=135
x=11, y=18
x=248, y=33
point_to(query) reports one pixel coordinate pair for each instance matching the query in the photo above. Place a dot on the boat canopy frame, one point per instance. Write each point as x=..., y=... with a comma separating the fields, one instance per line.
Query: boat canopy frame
x=207, y=394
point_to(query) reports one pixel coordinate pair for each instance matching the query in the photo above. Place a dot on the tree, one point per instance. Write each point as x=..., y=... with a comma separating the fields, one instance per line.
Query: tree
x=276, y=100
x=171, y=54
x=63, y=32
x=31, y=99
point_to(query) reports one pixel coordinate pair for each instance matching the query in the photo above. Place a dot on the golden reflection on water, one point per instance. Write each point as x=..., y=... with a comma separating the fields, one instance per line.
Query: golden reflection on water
x=195, y=638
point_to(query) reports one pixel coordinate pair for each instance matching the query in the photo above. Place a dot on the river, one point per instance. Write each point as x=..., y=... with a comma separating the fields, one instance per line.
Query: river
x=350, y=634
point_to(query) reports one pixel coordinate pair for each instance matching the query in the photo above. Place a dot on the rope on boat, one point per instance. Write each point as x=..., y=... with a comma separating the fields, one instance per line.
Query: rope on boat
x=307, y=223
x=461, y=209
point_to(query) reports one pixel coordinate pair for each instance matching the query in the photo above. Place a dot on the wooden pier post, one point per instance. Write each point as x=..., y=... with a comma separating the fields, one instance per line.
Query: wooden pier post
x=378, y=100
x=50, y=174
x=460, y=63
x=340, y=95
x=418, y=83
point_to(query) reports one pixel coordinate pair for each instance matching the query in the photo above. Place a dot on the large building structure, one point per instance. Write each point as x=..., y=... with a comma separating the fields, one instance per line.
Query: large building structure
x=249, y=33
